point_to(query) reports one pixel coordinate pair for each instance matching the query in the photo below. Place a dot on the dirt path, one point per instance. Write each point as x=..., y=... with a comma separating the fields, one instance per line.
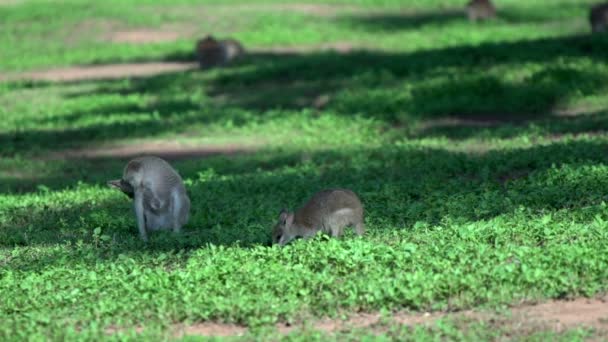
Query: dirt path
x=164, y=149
x=109, y=71
x=126, y=70
x=556, y=316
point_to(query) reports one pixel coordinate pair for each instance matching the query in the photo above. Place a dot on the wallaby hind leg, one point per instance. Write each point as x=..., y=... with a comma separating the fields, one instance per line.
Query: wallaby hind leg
x=360, y=228
x=335, y=231
x=139, y=214
x=177, y=208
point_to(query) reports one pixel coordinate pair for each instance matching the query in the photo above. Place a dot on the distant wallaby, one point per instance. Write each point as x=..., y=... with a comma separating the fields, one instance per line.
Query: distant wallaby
x=159, y=196
x=598, y=17
x=329, y=211
x=480, y=10
x=212, y=53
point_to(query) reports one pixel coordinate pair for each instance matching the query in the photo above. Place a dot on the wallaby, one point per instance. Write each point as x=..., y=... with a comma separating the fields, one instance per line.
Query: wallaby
x=211, y=52
x=328, y=211
x=598, y=17
x=159, y=196
x=480, y=10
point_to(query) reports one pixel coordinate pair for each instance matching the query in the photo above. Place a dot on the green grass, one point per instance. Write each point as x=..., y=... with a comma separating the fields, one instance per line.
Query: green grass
x=77, y=32
x=503, y=202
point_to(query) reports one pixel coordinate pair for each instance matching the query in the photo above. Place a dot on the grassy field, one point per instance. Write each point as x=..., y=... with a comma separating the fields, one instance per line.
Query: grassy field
x=479, y=151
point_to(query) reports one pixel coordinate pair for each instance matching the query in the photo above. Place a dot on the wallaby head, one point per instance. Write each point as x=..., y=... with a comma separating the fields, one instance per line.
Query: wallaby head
x=131, y=175
x=598, y=18
x=123, y=186
x=233, y=48
x=281, y=233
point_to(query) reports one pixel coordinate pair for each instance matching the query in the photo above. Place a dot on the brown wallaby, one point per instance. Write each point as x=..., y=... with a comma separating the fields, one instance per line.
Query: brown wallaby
x=329, y=211
x=480, y=10
x=159, y=196
x=598, y=17
x=211, y=52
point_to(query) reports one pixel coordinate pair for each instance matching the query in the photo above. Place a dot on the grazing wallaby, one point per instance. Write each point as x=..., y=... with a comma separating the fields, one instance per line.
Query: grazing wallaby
x=480, y=10
x=598, y=17
x=159, y=196
x=328, y=211
x=212, y=53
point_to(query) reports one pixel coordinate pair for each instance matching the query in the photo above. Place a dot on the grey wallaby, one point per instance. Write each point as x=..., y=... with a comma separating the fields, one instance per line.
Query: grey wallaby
x=329, y=211
x=211, y=52
x=159, y=196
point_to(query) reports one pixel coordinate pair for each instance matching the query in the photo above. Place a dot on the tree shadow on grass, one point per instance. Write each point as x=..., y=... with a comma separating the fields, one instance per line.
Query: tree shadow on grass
x=532, y=13
x=539, y=12
x=374, y=80
x=399, y=186
x=391, y=87
x=68, y=170
x=403, y=21
x=301, y=78
x=39, y=141
x=592, y=123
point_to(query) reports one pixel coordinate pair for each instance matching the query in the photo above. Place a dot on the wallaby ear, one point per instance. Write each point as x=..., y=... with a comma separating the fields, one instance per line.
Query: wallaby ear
x=114, y=183
x=289, y=220
x=283, y=216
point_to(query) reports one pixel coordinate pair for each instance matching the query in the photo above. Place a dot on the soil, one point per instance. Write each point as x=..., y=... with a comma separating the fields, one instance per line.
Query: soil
x=109, y=71
x=165, y=150
x=556, y=316
x=321, y=10
x=210, y=329
x=143, y=36
x=118, y=71
x=10, y=2
x=339, y=47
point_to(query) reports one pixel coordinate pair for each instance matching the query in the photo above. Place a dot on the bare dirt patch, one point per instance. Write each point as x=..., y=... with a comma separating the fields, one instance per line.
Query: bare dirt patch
x=339, y=47
x=126, y=70
x=556, y=316
x=489, y=120
x=74, y=34
x=211, y=11
x=11, y=2
x=358, y=321
x=143, y=36
x=323, y=10
x=210, y=329
x=567, y=314
x=98, y=72
x=166, y=150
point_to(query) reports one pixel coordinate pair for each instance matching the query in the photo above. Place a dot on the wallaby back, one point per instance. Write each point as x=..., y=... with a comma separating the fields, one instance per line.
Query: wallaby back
x=329, y=211
x=153, y=172
x=317, y=211
x=211, y=52
x=480, y=10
